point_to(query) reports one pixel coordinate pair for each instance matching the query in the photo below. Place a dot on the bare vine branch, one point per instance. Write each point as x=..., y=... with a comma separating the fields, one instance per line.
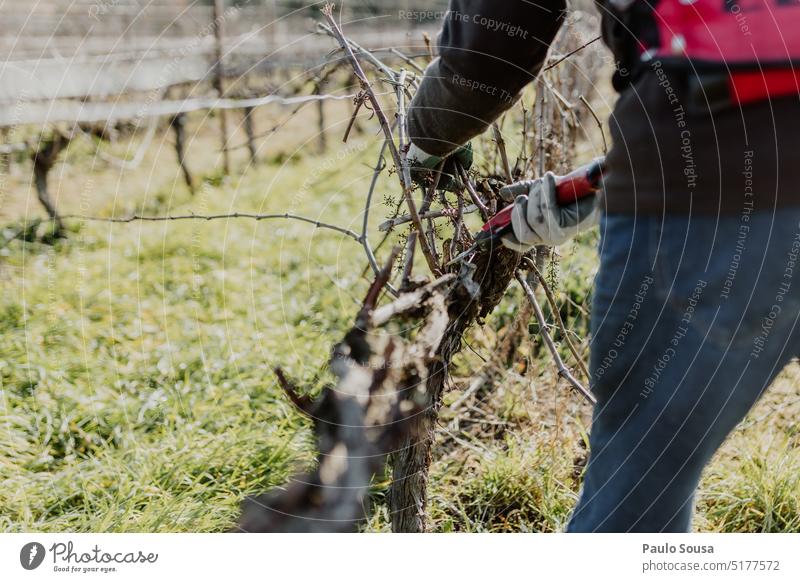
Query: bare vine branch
x=379, y=167
x=443, y=213
x=476, y=199
x=301, y=402
x=425, y=244
x=408, y=60
x=569, y=54
x=597, y=120
x=400, y=160
x=285, y=215
x=557, y=314
x=501, y=147
x=563, y=371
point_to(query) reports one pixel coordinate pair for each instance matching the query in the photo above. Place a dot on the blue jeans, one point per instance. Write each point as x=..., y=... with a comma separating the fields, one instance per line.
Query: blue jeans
x=692, y=319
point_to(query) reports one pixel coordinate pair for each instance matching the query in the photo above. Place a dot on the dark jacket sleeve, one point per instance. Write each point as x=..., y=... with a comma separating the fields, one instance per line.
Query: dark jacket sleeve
x=488, y=51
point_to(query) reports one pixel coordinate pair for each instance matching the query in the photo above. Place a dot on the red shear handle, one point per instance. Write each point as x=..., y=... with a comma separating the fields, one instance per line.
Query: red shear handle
x=499, y=221
x=570, y=188
x=579, y=183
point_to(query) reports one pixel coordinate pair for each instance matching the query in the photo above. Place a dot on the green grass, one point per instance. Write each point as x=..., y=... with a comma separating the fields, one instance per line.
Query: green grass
x=136, y=384
x=754, y=483
x=759, y=494
x=514, y=486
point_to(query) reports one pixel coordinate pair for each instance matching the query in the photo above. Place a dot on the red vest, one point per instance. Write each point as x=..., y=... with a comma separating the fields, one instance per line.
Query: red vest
x=738, y=33
x=756, y=41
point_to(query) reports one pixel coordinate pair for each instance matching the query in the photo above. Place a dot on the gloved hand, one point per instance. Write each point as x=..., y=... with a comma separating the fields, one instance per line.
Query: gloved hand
x=423, y=166
x=537, y=218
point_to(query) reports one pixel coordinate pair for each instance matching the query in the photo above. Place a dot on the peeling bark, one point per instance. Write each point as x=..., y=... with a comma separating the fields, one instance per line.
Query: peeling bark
x=374, y=405
x=411, y=463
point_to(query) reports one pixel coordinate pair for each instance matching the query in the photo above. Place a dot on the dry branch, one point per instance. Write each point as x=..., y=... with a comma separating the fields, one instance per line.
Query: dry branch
x=501, y=147
x=597, y=121
x=480, y=285
x=444, y=212
x=563, y=371
x=399, y=160
x=249, y=215
x=358, y=422
x=389, y=388
x=473, y=194
x=302, y=402
x=557, y=314
x=563, y=58
x=408, y=301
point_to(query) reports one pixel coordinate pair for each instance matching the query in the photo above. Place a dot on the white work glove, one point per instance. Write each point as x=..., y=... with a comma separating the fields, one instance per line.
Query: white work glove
x=537, y=218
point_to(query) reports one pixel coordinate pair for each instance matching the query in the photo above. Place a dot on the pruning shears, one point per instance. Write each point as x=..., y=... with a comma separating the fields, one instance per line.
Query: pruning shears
x=570, y=188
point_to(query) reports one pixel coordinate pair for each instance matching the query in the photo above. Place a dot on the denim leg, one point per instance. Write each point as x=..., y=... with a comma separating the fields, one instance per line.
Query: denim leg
x=692, y=318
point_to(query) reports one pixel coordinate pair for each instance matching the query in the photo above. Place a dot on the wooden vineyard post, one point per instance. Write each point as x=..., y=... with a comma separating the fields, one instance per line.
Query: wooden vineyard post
x=219, y=74
x=44, y=158
x=249, y=129
x=321, y=142
x=178, y=124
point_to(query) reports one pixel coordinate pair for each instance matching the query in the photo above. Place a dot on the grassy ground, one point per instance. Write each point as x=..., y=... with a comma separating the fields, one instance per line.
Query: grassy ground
x=136, y=391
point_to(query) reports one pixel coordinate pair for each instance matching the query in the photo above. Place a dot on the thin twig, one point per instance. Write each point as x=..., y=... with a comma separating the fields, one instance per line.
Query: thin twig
x=389, y=224
x=408, y=265
x=501, y=146
x=597, y=120
x=523, y=152
x=557, y=313
x=474, y=386
x=373, y=293
x=359, y=101
x=560, y=98
x=354, y=47
x=428, y=45
x=302, y=402
x=458, y=223
x=541, y=101
x=408, y=60
x=426, y=204
x=431, y=193
x=285, y=215
x=366, y=86
x=563, y=371
x=400, y=160
x=379, y=167
x=569, y=54
x=476, y=199
x=426, y=245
